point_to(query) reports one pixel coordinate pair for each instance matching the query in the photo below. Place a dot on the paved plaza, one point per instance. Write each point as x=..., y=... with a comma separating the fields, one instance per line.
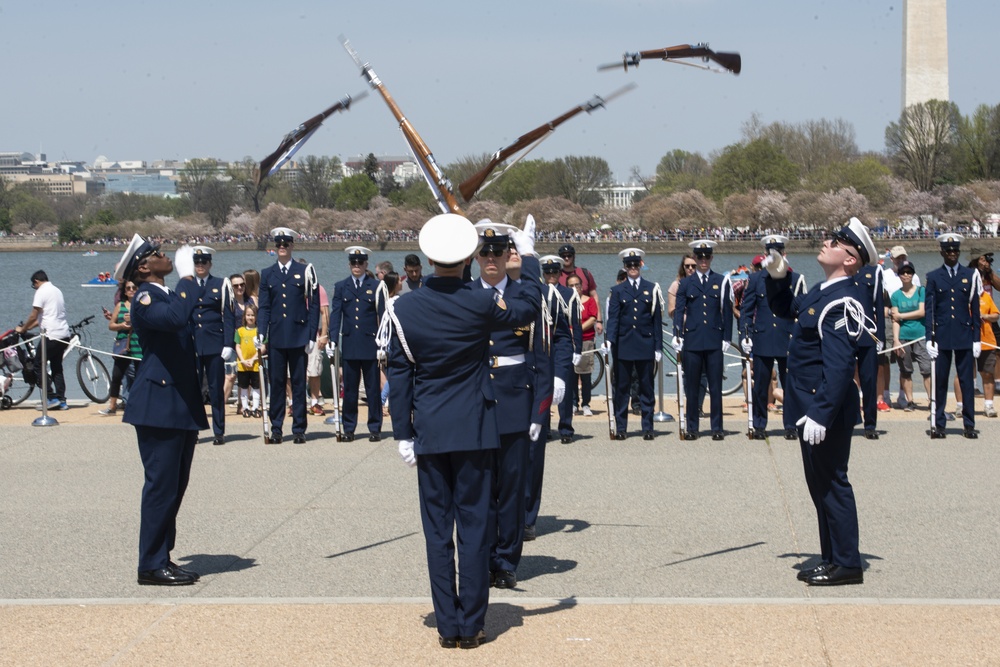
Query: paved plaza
x=662, y=552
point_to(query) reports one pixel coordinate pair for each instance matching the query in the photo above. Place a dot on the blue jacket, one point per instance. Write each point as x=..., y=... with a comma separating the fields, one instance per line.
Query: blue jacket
x=951, y=307
x=635, y=321
x=567, y=332
x=287, y=318
x=443, y=398
x=823, y=352
x=871, y=294
x=166, y=392
x=770, y=334
x=354, y=315
x=212, y=320
x=704, y=313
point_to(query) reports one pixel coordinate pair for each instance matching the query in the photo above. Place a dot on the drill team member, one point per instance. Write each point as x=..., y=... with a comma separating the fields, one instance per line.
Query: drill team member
x=872, y=297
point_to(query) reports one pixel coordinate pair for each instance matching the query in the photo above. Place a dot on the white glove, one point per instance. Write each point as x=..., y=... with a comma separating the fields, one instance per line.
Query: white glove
x=577, y=358
x=775, y=265
x=747, y=345
x=812, y=432
x=331, y=349
x=558, y=390
x=259, y=341
x=228, y=354
x=879, y=345
x=977, y=349
x=606, y=348
x=932, y=350
x=406, y=452
x=657, y=356
x=524, y=239
x=184, y=261
x=678, y=343
x=534, y=431
x=310, y=346
x=725, y=346
x=381, y=356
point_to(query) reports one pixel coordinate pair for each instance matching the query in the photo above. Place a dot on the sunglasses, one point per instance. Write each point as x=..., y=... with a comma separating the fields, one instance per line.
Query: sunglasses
x=633, y=265
x=238, y=285
x=282, y=244
x=130, y=288
x=491, y=252
x=358, y=262
x=845, y=243
x=568, y=255
x=690, y=266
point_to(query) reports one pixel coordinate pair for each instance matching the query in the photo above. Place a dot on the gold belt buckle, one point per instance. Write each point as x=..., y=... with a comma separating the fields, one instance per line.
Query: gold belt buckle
x=493, y=363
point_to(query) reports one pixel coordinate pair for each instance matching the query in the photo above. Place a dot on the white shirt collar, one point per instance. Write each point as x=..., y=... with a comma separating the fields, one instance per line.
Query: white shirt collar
x=500, y=286
x=834, y=281
x=285, y=266
x=162, y=287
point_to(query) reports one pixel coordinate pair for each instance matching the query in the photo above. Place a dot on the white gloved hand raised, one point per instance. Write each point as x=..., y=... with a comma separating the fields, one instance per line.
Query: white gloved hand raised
x=812, y=432
x=977, y=349
x=184, y=261
x=725, y=346
x=932, y=350
x=406, y=452
x=678, y=343
x=558, y=390
x=310, y=346
x=577, y=358
x=228, y=354
x=524, y=239
x=775, y=265
x=534, y=431
x=657, y=356
x=747, y=345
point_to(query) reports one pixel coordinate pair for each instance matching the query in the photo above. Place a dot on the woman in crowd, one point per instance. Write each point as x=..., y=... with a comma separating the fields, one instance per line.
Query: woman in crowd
x=127, y=352
x=686, y=268
x=908, y=329
x=588, y=317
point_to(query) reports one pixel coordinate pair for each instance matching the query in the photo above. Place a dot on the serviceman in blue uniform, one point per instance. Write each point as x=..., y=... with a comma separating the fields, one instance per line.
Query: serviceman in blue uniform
x=444, y=413
x=165, y=402
x=287, y=322
x=521, y=371
x=766, y=337
x=356, y=307
x=564, y=309
x=703, y=324
x=820, y=394
x=872, y=296
x=212, y=323
x=953, y=322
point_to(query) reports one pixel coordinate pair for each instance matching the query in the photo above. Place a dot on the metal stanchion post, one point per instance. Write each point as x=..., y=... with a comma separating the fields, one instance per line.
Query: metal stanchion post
x=45, y=419
x=661, y=415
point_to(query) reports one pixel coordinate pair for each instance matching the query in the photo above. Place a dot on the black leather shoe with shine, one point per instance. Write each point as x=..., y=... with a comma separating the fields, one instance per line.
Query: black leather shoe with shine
x=837, y=575
x=165, y=576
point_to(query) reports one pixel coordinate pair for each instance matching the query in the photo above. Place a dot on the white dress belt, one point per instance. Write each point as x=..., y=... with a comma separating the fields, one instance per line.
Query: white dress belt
x=496, y=362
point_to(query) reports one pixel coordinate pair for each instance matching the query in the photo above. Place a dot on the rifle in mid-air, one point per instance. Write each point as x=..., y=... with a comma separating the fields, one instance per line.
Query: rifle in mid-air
x=728, y=61
x=528, y=141
x=295, y=139
x=440, y=186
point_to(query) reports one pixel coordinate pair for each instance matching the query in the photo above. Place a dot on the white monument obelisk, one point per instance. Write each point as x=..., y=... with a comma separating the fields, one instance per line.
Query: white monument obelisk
x=925, y=51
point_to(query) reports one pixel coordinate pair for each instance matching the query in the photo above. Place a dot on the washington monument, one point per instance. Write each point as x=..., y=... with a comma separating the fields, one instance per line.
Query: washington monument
x=925, y=51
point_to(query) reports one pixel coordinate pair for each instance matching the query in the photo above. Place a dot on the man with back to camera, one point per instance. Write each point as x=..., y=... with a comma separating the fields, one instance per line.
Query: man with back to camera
x=48, y=311
x=821, y=395
x=444, y=414
x=287, y=322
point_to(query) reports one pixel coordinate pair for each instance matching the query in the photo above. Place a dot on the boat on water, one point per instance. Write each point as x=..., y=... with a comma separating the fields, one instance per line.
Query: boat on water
x=102, y=280
x=91, y=253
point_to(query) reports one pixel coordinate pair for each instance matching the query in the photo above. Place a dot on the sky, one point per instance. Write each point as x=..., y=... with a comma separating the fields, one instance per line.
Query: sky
x=177, y=79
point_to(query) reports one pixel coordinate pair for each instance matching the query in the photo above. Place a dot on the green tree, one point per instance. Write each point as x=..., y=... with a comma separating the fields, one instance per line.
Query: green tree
x=758, y=165
x=196, y=174
x=922, y=144
x=979, y=141
x=867, y=176
x=415, y=195
x=353, y=193
x=372, y=168
x=811, y=145
x=575, y=178
x=316, y=176
x=217, y=198
x=31, y=212
x=680, y=171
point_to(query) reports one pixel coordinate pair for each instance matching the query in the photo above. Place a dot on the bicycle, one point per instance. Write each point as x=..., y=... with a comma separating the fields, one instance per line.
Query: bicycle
x=91, y=372
x=732, y=367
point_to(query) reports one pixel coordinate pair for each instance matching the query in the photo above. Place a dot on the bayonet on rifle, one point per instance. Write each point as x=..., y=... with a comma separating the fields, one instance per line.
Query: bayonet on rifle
x=729, y=61
x=528, y=141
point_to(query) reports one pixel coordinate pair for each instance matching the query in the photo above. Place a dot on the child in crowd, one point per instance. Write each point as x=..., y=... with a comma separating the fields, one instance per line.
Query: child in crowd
x=247, y=370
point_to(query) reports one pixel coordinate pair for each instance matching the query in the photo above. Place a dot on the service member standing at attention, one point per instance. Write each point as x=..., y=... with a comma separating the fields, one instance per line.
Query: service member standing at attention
x=522, y=381
x=821, y=395
x=444, y=413
x=287, y=322
x=566, y=346
x=951, y=304
x=766, y=337
x=703, y=320
x=165, y=403
x=634, y=336
x=213, y=328
x=871, y=295
x=355, y=310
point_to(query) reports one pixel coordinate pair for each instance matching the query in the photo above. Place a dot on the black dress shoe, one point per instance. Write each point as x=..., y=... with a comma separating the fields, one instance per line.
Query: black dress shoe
x=448, y=642
x=177, y=568
x=505, y=579
x=275, y=439
x=472, y=642
x=566, y=439
x=690, y=435
x=637, y=411
x=529, y=534
x=165, y=576
x=348, y=437
x=718, y=435
x=299, y=438
x=620, y=435
x=374, y=437
x=647, y=435
x=812, y=571
x=791, y=434
x=759, y=434
x=937, y=433
x=219, y=440
x=970, y=433
x=837, y=575
x=871, y=434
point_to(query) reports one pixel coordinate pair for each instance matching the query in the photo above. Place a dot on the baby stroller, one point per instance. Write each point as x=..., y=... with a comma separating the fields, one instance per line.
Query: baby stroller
x=19, y=359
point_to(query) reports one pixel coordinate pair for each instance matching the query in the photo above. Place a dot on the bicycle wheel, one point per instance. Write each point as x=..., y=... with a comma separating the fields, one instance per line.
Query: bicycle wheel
x=732, y=375
x=597, y=373
x=19, y=390
x=93, y=377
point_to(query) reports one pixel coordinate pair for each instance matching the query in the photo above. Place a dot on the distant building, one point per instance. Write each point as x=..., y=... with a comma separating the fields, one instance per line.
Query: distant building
x=925, y=51
x=57, y=185
x=402, y=167
x=619, y=196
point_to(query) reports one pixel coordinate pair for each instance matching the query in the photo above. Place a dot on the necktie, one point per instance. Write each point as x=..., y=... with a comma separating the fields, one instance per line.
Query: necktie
x=201, y=282
x=284, y=270
x=704, y=280
x=357, y=284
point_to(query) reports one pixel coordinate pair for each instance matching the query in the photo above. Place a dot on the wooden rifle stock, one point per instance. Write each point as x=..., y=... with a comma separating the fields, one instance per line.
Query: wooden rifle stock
x=730, y=61
x=440, y=186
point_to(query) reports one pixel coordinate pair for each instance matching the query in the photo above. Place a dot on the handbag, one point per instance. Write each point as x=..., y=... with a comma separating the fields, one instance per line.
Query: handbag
x=121, y=346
